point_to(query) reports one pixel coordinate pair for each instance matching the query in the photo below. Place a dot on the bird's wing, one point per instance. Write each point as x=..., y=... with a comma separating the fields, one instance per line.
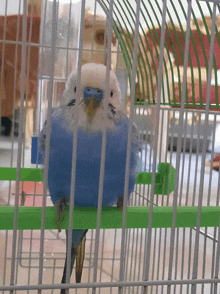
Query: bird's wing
x=42, y=138
x=43, y=134
x=136, y=128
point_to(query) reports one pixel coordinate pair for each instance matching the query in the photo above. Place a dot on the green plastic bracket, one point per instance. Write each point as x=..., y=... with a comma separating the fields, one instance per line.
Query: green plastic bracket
x=164, y=181
x=29, y=218
x=26, y=174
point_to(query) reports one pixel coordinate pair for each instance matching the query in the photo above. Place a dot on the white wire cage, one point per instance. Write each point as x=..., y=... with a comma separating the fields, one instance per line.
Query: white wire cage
x=149, y=260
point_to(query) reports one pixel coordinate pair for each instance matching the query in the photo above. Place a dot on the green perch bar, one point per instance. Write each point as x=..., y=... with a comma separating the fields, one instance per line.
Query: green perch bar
x=164, y=179
x=26, y=174
x=29, y=218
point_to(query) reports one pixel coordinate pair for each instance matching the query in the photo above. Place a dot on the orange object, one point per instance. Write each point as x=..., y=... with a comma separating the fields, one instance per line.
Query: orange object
x=216, y=161
x=12, y=60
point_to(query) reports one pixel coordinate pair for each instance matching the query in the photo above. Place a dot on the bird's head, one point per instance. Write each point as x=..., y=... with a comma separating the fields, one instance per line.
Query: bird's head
x=92, y=99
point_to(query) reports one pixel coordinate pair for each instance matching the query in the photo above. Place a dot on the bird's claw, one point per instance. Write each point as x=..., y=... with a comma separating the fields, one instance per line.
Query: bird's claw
x=23, y=198
x=120, y=202
x=61, y=205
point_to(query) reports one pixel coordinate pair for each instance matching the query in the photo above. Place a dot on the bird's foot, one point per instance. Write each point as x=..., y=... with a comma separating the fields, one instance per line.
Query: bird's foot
x=61, y=205
x=120, y=202
x=23, y=198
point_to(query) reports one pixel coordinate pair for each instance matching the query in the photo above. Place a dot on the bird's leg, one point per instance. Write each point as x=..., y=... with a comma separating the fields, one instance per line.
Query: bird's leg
x=60, y=205
x=120, y=202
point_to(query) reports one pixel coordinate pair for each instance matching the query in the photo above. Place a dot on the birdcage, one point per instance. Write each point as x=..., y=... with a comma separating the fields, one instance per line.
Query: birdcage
x=165, y=56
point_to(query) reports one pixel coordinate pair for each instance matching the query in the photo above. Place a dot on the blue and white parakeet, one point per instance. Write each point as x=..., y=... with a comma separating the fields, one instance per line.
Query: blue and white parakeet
x=92, y=120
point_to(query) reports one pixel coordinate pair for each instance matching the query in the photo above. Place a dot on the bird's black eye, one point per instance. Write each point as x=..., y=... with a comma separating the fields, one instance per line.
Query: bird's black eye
x=111, y=94
x=74, y=89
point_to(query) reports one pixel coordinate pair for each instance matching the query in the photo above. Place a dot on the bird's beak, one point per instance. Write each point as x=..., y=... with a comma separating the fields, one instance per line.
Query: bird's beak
x=92, y=100
x=91, y=106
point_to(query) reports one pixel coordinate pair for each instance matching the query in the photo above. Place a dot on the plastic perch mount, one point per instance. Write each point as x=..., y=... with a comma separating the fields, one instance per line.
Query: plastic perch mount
x=29, y=218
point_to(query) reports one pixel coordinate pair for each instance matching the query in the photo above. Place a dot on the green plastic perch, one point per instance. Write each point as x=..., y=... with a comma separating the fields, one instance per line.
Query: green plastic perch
x=29, y=218
x=164, y=179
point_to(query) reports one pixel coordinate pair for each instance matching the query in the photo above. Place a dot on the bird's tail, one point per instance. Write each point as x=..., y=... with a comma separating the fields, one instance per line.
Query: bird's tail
x=78, y=253
x=73, y=257
x=80, y=259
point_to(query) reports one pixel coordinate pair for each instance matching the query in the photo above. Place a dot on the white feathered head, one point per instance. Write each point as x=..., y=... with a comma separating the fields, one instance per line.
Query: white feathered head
x=92, y=99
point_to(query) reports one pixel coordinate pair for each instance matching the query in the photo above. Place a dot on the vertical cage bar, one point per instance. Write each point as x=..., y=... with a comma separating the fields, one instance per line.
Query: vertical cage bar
x=38, y=108
x=68, y=40
x=132, y=95
x=218, y=245
x=47, y=147
x=11, y=161
x=208, y=203
x=109, y=20
x=93, y=30
x=3, y=54
x=157, y=115
x=74, y=154
x=201, y=185
x=178, y=156
x=23, y=67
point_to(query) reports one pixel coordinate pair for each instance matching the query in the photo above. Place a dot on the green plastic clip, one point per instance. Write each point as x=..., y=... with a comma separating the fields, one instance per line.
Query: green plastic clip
x=164, y=179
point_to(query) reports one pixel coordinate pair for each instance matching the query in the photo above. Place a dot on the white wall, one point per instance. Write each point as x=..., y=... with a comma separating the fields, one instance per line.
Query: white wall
x=12, y=6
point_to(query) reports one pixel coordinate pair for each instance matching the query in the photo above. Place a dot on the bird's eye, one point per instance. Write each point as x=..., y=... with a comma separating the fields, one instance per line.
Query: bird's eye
x=111, y=94
x=98, y=91
x=74, y=89
x=88, y=89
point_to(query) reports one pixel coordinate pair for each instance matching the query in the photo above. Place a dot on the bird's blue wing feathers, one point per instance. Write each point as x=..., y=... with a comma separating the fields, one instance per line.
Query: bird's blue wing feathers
x=88, y=163
x=43, y=133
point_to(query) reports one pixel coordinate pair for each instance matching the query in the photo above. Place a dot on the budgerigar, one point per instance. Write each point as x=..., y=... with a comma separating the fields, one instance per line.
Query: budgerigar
x=92, y=120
